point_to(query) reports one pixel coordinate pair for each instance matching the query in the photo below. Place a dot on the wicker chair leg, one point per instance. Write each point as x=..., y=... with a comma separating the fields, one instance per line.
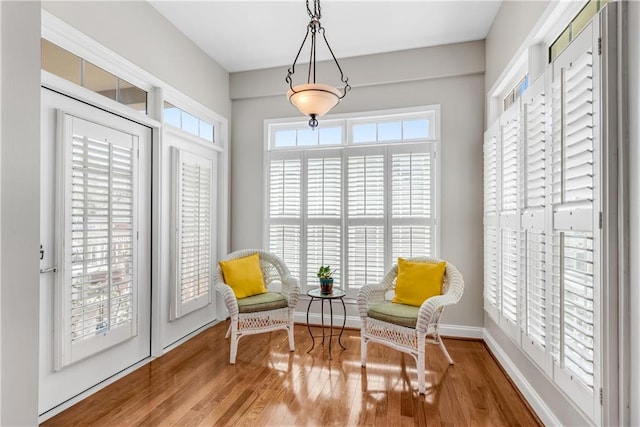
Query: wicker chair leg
x=444, y=350
x=438, y=339
x=228, y=332
x=420, y=362
x=234, y=345
x=291, y=343
x=363, y=350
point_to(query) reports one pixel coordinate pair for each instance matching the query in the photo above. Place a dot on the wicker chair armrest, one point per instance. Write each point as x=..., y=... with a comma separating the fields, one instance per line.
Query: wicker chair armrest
x=229, y=298
x=370, y=295
x=291, y=290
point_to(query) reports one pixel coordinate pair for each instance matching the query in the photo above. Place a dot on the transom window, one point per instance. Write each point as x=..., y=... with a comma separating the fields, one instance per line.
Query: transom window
x=64, y=64
x=355, y=194
x=188, y=122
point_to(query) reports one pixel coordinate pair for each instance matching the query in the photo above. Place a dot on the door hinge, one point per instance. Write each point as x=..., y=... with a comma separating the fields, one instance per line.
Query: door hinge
x=601, y=397
x=599, y=45
x=600, y=220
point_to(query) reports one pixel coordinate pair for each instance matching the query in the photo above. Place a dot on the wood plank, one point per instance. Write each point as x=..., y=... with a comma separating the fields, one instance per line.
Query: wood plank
x=194, y=385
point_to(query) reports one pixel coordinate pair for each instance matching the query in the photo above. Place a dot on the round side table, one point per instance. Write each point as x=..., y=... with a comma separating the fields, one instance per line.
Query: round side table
x=337, y=294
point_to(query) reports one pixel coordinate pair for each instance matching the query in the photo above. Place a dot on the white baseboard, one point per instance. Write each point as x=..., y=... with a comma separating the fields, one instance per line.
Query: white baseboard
x=532, y=397
x=354, y=322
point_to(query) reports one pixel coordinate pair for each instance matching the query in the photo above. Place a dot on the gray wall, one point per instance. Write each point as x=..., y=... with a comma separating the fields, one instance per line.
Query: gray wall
x=634, y=122
x=140, y=34
x=20, y=201
x=448, y=75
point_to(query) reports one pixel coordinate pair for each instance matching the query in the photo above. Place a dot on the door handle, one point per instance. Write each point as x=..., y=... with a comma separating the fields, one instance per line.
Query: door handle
x=49, y=270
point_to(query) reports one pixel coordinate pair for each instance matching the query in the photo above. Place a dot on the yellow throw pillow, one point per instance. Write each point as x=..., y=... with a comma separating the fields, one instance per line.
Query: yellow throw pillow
x=418, y=281
x=244, y=276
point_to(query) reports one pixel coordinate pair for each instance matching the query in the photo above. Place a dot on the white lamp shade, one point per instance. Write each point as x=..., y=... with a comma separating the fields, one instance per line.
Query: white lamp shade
x=314, y=98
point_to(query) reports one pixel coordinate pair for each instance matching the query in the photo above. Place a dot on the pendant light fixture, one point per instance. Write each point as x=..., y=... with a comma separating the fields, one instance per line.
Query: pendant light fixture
x=311, y=98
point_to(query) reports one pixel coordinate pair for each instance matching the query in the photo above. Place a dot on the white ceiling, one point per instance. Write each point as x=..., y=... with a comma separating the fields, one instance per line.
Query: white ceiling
x=245, y=35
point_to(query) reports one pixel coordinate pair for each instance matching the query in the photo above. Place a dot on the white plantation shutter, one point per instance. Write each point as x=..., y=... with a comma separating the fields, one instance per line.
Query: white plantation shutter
x=284, y=211
x=492, y=288
x=324, y=212
x=534, y=265
x=411, y=204
x=365, y=219
x=98, y=281
x=192, y=239
x=575, y=276
x=510, y=174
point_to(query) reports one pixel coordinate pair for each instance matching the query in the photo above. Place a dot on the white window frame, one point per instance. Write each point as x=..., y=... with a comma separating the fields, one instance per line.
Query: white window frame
x=346, y=149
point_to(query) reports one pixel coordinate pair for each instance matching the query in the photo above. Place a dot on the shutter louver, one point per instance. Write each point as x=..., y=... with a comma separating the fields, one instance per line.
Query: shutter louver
x=366, y=255
x=285, y=183
x=511, y=174
x=284, y=188
x=510, y=167
x=534, y=265
x=323, y=248
x=536, y=288
x=578, y=131
x=284, y=241
x=492, y=241
x=193, y=226
x=535, y=152
x=102, y=237
x=324, y=210
x=491, y=272
x=366, y=186
x=490, y=176
x=509, y=274
x=573, y=304
x=411, y=185
x=411, y=202
x=324, y=188
x=365, y=239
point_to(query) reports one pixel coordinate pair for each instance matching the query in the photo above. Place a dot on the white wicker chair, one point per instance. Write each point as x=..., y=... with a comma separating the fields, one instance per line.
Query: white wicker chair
x=410, y=340
x=259, y=318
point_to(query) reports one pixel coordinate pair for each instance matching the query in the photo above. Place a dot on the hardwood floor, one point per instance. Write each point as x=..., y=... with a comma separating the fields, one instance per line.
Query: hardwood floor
x=194, y=385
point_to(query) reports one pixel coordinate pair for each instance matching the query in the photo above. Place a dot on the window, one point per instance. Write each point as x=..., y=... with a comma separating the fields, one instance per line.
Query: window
x=192, y=239
x=574, y=28
x=189, y=123
x=541, y=225
x=354, y=194
x=516, y=92
x=70, y=67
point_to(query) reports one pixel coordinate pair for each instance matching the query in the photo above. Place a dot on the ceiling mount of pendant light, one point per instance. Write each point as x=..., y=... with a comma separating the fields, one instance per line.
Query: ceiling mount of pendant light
x=311, y=98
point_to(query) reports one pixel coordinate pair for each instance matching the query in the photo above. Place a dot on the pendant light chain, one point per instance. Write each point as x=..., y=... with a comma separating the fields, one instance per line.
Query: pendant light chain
x=317, y=13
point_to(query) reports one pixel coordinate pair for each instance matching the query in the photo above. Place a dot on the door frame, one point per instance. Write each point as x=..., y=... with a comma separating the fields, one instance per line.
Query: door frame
x=69, y=38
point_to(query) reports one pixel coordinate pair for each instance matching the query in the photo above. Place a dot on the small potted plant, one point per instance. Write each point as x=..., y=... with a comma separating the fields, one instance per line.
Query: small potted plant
x=325, y=275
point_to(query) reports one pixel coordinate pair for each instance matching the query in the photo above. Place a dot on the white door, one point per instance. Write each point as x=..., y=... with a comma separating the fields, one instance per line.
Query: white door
x=96, y=232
